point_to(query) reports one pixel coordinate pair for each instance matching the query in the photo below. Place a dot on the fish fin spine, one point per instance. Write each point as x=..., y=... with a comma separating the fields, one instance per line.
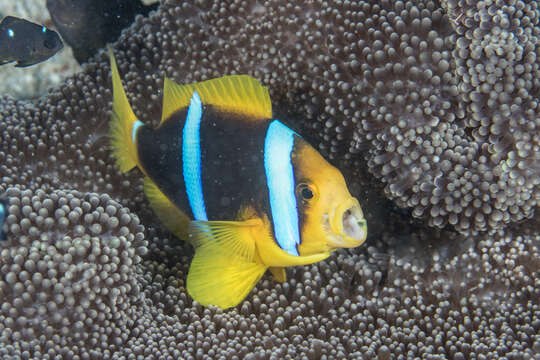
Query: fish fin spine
x=240, y=94
x=123, y=123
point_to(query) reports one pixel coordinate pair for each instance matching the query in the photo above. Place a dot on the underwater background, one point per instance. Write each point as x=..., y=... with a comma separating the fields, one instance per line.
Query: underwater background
x=431, y=111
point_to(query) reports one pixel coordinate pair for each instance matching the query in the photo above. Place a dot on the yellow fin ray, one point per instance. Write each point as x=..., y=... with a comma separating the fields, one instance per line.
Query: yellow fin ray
x=223, y=270
x=174, y=219
x=231, y=237
x=123, y=119
x=233, y=93
x=217, y=278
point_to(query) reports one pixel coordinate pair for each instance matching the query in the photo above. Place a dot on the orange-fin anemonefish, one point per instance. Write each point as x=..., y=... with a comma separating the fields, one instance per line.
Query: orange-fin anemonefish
x=261, y=197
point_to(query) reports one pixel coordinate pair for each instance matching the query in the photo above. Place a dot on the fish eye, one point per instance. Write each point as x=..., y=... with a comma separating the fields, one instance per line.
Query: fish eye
x=50, y=41
x=48, y=44
x=306, y=192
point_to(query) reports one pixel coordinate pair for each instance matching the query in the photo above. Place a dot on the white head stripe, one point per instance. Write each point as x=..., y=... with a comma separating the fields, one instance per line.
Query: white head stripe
x=278, y=146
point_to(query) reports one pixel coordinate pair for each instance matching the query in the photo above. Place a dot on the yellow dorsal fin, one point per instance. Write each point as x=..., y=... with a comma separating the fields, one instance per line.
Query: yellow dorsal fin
x=233, y=93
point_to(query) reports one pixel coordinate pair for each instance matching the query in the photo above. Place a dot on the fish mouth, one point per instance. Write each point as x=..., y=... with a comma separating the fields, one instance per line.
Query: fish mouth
x=347, y=225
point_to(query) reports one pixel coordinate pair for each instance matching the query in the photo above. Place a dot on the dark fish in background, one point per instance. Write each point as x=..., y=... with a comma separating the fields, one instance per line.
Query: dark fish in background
x=26, y=43
x=87, y=25
x=3, y=215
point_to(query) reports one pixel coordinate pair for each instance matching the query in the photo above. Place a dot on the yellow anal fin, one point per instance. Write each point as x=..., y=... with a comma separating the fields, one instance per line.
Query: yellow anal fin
x=122, y=123
x=241, y=94
x=174, y=219
x=224, y=268
x=279, y=274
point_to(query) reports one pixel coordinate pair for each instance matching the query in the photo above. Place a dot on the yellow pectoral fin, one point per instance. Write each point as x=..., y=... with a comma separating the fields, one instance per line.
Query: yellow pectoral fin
x=279, y=274
x=231, y=237
x=219, y=279
x=224, y=268
x=173, y=218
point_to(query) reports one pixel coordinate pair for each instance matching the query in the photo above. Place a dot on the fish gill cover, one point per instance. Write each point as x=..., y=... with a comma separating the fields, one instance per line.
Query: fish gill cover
x=439, y=99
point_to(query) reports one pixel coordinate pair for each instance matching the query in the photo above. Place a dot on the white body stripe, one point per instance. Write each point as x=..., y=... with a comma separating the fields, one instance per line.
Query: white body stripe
x=136, y=126
x=278, y=146
x=191, y=158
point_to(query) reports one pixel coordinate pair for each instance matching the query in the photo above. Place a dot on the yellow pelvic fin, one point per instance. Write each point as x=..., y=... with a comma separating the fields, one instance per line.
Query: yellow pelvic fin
x=123, y=120
x=223, y=270
x=279, y=274
x=241, y=94
x=174, y=219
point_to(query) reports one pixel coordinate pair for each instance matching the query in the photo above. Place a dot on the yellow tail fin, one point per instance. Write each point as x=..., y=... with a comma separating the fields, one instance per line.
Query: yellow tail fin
x=122, y=124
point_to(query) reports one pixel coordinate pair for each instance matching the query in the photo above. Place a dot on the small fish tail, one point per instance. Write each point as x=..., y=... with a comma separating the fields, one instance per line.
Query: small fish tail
x=123, y=124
